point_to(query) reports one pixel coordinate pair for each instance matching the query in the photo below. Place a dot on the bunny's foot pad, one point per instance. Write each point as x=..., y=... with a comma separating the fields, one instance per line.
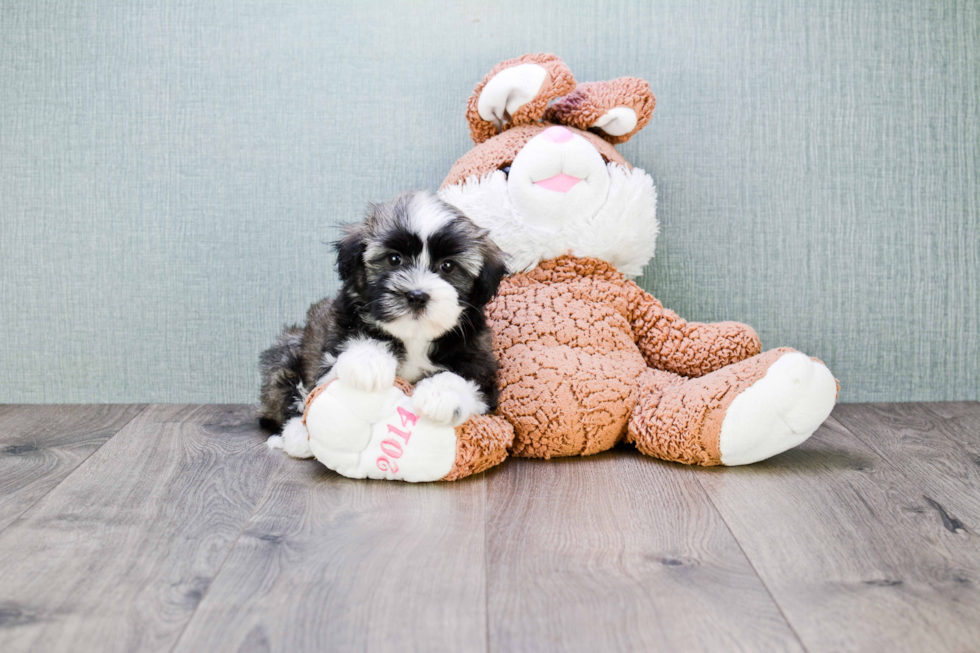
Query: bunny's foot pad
x=377, y=435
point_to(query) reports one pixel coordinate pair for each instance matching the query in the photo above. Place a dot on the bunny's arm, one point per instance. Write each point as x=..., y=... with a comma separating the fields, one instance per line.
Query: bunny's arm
x=671, y=343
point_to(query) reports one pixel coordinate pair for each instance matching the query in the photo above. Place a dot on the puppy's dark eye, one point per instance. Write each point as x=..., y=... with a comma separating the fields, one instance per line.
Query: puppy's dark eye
x=506, y=170
x=447, y=266
x=394, y=260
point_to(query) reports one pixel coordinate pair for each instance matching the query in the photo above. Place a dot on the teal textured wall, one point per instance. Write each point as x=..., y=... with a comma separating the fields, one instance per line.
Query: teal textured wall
x=169, y=173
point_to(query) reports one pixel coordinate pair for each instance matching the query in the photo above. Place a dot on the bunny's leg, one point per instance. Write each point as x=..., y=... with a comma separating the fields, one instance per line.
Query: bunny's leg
x=481, y=443
x=739, y=414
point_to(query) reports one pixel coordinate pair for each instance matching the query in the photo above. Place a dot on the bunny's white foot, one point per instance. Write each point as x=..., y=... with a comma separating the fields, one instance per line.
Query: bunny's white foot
x=779, y=411
x=377, y=434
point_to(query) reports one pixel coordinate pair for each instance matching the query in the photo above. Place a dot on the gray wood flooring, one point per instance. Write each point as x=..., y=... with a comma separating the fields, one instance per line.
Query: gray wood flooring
x=173, y=528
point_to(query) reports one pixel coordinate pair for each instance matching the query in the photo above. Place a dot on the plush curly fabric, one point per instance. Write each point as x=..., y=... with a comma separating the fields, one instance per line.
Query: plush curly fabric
x=681, y=419
x=558, y=82
x=500, y=151
x=482, y=442
x=591, y=100
x=588, y=358
x=574, y=338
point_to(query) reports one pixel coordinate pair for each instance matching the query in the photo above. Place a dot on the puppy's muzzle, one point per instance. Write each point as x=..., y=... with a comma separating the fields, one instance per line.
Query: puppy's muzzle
x=416, y=299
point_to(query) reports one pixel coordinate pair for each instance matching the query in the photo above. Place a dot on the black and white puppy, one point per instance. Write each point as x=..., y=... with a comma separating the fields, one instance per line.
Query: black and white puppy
x=416, y=275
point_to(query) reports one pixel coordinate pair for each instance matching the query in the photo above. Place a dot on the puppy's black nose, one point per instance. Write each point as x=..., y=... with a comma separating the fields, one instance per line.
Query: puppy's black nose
x=416, y=298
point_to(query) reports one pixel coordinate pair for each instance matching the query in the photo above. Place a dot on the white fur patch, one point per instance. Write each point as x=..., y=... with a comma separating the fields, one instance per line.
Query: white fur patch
x=300, y=404
x=623, y=231
x=448, y=398
x=470, y=261
x=427, y=215
x=777, y=412
x=329, y=360
x=366, y=364
x=294, y=439
x=416, y=363
x=441, y=312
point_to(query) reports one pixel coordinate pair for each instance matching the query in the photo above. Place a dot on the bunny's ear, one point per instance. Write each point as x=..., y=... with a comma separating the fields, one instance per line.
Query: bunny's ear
x=516, y=92
x=615, y=110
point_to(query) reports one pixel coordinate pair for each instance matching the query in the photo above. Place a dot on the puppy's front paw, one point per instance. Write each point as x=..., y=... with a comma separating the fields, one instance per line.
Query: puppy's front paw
x=366, y=365
x=448, y=398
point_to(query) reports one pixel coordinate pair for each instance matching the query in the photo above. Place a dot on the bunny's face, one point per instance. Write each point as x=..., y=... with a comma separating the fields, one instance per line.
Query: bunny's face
x=546, y=179
x=557, y=176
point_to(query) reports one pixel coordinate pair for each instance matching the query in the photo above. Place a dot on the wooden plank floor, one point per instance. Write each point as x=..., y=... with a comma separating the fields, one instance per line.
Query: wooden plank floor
x=165, y=528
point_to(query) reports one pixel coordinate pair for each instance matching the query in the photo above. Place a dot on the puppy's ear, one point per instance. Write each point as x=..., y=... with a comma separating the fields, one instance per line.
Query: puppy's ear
x=350, y=251
x=492, y=272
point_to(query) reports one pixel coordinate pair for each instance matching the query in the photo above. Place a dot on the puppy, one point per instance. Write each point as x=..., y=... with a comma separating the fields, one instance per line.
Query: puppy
x=415, y=276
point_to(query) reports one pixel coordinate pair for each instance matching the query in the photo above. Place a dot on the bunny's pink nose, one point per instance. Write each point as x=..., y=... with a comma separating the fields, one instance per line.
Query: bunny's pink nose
x=557, y=134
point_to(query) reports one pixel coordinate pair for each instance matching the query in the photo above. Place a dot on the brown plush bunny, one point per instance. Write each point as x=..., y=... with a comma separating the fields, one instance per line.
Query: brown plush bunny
x=587, y=357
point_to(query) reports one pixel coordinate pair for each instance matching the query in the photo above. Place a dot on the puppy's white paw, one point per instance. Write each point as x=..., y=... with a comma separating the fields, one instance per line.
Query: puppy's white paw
x=366, y=365
x=294, y=440
x=448, y=398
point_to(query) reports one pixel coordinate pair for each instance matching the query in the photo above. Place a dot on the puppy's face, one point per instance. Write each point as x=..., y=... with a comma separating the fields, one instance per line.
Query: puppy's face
x=418, y=264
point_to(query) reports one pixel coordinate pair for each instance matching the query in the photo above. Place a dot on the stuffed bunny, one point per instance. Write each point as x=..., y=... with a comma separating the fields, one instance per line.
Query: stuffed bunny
x=587, y=357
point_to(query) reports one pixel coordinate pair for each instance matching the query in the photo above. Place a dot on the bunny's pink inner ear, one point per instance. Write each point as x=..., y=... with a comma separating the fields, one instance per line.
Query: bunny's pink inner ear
x=615, y=110
x=516, y=92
